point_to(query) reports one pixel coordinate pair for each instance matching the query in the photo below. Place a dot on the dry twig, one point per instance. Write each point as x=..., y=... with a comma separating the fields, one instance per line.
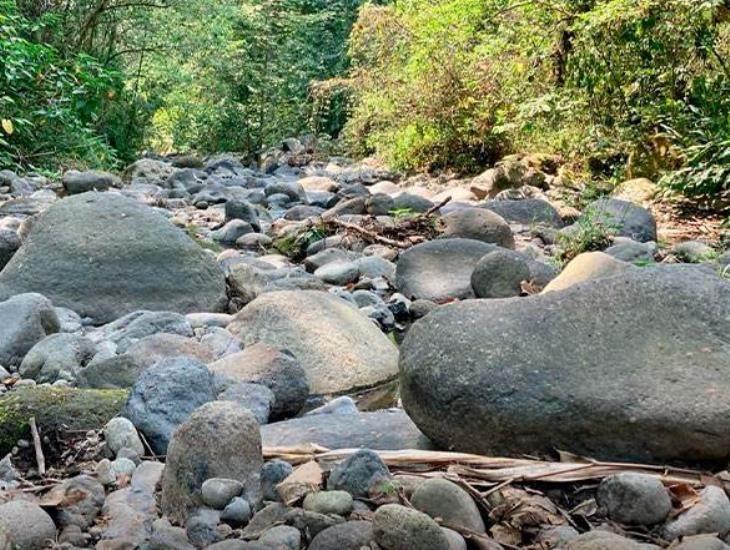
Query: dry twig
x=39, y=457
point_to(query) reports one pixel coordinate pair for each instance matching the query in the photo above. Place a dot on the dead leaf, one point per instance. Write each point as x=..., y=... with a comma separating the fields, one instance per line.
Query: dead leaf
x=8, y=126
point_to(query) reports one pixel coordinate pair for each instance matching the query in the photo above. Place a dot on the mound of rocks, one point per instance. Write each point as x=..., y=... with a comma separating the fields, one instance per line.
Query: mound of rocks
x=591, y=369
x=104, y=255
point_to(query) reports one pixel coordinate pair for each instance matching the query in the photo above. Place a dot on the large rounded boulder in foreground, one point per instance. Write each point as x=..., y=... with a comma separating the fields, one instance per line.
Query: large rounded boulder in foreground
x=339, y=348
x=104, y=255
x=635, y=366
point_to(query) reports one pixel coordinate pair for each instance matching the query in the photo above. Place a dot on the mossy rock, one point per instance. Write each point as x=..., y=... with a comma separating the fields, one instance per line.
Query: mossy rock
x=55, y=410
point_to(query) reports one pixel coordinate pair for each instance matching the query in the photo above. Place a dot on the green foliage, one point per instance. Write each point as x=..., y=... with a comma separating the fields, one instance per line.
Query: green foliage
x=616, y=86
x=587, y=235
x=241, y=73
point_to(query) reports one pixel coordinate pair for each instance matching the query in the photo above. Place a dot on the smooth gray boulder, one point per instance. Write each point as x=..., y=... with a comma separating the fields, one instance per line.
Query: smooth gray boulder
x=24, y=321
x=104, y=255
x=338, y=347
x=57, y=357
x=440, y=270
x=627, y=367
x=526, y=212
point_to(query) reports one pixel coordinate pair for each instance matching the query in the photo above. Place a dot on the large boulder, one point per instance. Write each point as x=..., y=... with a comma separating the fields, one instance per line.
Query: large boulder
x=479, y=224
x=80, y=182
x=625, y=367
x=339, y=348
x=104, y=255
x=24, y=321
x=440, y=270
x=526, y=212
x=219, y=439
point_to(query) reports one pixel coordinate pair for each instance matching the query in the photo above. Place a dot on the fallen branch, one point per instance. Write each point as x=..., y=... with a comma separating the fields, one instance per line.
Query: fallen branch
x=39, y=457
x=496, y=470
x=372, y=235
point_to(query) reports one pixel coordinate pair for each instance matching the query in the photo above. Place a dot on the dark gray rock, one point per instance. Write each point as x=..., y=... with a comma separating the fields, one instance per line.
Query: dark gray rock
x=282, y=537
x=396, y=527
x=412, y=203
x=358, y=473
x=104, y=255
x=381, y=430
x=106, y=373
x=352, y=535
x=81, y=182
x=623, y=218
x=164, y=396
x=25, y=320
x=237, y=512
x=479, y=224
x=499, y=274
x=242, y=210
x=612, y=385
x=526, y=212
x=440, y=270
x=220, y=439
x=274, y=472
x=9, y=245
x=634, y=499
x=200, y=527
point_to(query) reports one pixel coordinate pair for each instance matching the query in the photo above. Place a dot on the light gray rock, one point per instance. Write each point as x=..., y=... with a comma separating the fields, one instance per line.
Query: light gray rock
x=120, y=433
x=340, y=405
x=329, y=502
x=440, y=270
x=152, y=349
x=338, y=347
x=700, y=542
x=440, y=498
x=710, y=515
x=57, y=357
x=396, y=527
x=28, y=525
x=200, y=527
x=231, y=232
x=135, y=326
x=634, y=499
x=104, y=255
x=593, y=385
x=24, y=321
x=338, y=272
x=220, y=439
x=479, y=224
x=694, y=252
x=164, y=396
x=218, y=492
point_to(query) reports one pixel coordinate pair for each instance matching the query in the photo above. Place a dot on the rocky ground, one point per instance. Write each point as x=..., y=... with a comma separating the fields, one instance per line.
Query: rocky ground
x=319, y=354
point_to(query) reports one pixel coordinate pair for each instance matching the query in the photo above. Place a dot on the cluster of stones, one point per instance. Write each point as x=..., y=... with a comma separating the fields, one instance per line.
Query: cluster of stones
x=201, y=301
